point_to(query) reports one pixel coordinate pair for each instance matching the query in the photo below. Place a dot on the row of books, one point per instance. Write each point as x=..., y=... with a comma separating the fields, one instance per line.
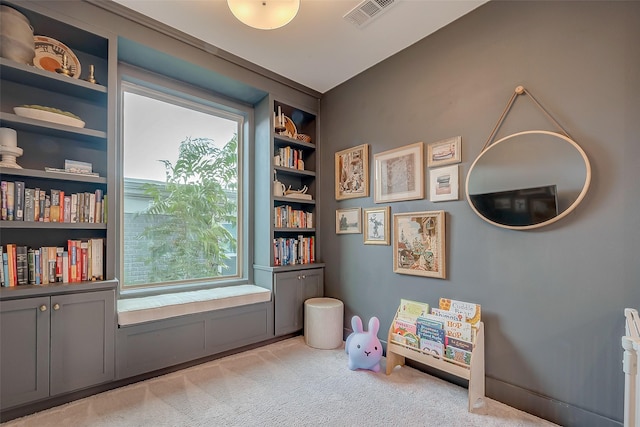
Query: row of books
x=292, y=251
x=286, y=216
x=35, y=205
x=288, y=157
x=447, y=331
x=80, y=261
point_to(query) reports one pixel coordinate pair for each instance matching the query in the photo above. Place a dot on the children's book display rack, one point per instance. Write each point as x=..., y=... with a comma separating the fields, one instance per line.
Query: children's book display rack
x=474, y=373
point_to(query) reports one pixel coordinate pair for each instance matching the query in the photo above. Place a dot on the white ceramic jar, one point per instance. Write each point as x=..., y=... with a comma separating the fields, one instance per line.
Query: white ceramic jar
x=16, y=36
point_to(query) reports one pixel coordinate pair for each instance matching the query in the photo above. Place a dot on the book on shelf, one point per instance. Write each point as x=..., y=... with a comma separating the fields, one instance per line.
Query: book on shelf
x=412, y=309
x=471, y=311
x=11, y=188
x=54, y=209
x=19, y=201
x=458, y=355
x=3, y=206
x=6, y=281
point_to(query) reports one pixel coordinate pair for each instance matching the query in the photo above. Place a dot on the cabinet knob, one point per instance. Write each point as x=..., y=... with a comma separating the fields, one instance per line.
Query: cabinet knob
x=304, y=276
x=43, y=307
x=56, y=306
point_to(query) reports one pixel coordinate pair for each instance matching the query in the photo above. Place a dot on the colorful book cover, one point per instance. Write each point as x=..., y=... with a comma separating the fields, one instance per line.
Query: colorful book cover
x=459, y=355
x=471, y=311
x=22, y=265
x=432, y=340
x=31, y=259
x=458, y=343
x=432, y=347
x=412, y=309
x=445, y=314
x=54, y=209
x=5, y=269
x=36, y=204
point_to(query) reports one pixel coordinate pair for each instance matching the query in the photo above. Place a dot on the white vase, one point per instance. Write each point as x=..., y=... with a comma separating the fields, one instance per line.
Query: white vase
x=16, y=36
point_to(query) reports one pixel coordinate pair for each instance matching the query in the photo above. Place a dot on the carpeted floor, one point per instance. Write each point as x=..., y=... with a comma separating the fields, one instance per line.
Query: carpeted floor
x=282, y=384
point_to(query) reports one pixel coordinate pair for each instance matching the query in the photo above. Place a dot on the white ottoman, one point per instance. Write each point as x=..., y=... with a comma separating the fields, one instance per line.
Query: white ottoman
x=323, y=323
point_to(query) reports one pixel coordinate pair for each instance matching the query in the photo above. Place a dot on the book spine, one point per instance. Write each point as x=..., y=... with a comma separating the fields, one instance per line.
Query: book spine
x=43, y=202
x=37, y=255
x=29, y=209
x=22, y=265
x=92, y=208
x=3, y=206
x=59, y=264
x=74, y=208
x=31, y=259
x=11, y=190
x=19, y=200
x=11, y=250
x=66, y=209
x=65, y=267
x=54, y=210
x=5, y=269
x=61, y=213
x=36, y=205
x=44, y=265
x=51, y=268
x=83, y=264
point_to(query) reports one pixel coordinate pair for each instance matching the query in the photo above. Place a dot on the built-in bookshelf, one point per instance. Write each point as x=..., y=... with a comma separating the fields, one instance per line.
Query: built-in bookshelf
x=55, y=207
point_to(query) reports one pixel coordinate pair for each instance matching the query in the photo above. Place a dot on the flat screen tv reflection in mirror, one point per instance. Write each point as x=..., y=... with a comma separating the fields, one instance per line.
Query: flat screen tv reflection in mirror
x=518, y=207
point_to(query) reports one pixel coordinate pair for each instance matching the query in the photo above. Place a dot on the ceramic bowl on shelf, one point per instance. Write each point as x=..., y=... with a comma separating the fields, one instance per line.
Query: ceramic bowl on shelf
x=48, y=116
x=16, y=36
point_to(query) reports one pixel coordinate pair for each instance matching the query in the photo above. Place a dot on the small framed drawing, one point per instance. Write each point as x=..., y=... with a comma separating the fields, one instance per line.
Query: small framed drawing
x=399, y=174
x=443, y=183
x=444, y=152
x=348, y=221
x=352, y=172
x=376, y=226
x=419, y=244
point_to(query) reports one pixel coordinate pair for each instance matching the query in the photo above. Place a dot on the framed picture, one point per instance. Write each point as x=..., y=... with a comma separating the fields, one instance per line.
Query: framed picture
x=444, y=152
x=348, y=221
x=443, y=183
x=399, y=174
x=376, y=226
x=419, y=244
x=352, y=172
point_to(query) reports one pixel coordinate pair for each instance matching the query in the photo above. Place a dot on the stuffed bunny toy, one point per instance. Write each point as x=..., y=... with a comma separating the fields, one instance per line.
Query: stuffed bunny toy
x=364, y=348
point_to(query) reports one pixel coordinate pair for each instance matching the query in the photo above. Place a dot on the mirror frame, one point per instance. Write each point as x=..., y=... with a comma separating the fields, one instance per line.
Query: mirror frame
x=562, y=214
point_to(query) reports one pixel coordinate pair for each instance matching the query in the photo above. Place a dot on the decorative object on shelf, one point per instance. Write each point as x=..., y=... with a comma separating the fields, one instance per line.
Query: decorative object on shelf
x=348, y=221
x=443, y=183
x=352, y=172
x=278, y=187
x=444, y=152
x=298, y=194
x=49, y=55
x=302, y=137
x=376, y=226
x=419, y=244
x=364, y=348
x=16, y=36
x=92, y=77
x=49, y=114
x=290, y=129
x=278, y=121
x=264, y=14
x=399, y=174
x=536, y=177
x=9, y=148
x=64, y=68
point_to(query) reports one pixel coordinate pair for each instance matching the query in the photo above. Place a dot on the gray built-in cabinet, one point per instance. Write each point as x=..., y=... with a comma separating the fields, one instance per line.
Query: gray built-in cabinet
x=290, y=276
x=57, y=343
x=59, y=338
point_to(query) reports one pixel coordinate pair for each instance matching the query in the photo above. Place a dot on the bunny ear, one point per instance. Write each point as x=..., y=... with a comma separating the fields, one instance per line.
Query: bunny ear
x=356, y=324
x=374, y=325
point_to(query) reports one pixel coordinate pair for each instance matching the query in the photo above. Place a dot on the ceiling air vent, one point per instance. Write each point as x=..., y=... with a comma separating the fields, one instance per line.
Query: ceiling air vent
x=367, y=11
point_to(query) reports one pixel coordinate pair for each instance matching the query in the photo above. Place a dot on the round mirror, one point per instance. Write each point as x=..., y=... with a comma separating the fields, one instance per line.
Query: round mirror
x=528, y=179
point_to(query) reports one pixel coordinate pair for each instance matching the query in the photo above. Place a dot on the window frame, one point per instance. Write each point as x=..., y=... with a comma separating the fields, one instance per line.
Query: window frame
x=143, y=82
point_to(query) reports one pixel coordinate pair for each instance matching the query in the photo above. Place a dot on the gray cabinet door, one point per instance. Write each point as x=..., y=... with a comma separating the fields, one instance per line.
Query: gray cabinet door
x=82, y=340
x=24, y=350
x=291, y=289
x=285, y=291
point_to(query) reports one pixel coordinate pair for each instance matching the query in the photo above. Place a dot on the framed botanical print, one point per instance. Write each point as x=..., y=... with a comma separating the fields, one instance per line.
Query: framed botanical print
x=376, y=226
x=419, y=244
x=352, y=172
x=399, y=174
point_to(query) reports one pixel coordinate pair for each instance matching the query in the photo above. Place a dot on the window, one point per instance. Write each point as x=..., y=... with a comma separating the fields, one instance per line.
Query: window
x=182, y=218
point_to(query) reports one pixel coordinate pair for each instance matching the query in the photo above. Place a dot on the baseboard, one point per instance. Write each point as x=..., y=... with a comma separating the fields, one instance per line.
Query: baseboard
x=544, y=407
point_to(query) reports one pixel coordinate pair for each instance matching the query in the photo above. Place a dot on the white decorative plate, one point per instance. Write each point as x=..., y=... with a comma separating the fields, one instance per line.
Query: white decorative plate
x=49, y=56
x=48, y=116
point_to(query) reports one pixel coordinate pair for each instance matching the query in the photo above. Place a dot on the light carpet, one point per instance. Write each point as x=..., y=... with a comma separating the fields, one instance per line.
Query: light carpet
x=282, y=384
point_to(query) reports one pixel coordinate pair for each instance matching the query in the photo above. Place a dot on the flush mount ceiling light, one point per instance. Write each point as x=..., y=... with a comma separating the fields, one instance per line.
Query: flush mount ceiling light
x=264, y=14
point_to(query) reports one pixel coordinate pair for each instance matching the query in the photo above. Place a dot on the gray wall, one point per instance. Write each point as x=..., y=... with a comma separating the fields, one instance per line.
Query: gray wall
x=552, y=299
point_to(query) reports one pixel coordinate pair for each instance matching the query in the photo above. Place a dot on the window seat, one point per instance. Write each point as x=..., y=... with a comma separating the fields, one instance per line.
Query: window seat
x=146, y=309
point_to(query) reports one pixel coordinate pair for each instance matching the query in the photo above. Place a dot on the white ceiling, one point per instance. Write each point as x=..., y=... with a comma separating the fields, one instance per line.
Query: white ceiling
x=319, y=48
